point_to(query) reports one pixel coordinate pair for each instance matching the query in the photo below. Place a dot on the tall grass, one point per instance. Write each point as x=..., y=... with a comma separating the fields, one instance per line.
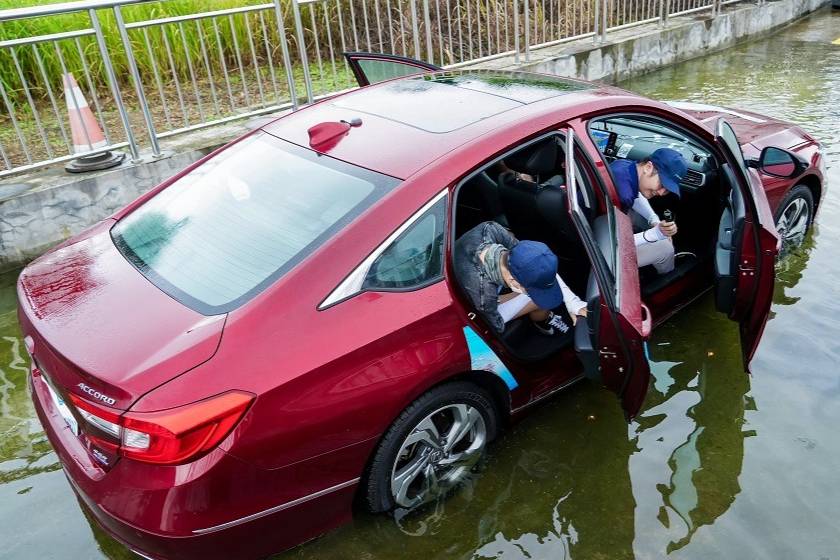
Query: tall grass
x=77, y=21
x=461, y=29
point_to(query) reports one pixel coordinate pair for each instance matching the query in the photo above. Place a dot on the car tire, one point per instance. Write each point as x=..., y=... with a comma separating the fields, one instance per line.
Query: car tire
x=412, y=444
x=794, y=217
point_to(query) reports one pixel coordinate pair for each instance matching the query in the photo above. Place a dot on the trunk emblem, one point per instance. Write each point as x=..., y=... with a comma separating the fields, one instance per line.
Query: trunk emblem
x=96, y=394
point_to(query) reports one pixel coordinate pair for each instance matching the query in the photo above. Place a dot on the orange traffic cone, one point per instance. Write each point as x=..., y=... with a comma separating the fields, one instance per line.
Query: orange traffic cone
x=87, y=135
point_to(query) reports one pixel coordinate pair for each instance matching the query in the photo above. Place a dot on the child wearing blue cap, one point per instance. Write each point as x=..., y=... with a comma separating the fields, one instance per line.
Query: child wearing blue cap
x=636, y=183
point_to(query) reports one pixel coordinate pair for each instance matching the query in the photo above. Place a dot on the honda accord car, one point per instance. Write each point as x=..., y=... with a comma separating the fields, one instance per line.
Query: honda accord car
x=233, y=362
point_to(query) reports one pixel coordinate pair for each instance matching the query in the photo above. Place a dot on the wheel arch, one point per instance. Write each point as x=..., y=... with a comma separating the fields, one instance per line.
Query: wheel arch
x=494, y=385
x=814, y=185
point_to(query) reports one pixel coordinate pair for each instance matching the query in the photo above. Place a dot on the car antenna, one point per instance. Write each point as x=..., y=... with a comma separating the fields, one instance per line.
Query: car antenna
x=324, y=136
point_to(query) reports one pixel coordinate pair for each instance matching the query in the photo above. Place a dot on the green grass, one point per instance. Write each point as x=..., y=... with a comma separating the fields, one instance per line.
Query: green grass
x=183, y=40
x=194, y=55
x=321, y=19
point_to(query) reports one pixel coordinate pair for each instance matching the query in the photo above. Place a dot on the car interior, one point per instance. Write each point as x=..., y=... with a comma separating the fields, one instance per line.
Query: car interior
x=701, y=199
x=525, y=191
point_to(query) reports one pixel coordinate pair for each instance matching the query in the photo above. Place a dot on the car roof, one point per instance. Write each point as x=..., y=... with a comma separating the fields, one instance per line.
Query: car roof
x=410, y=122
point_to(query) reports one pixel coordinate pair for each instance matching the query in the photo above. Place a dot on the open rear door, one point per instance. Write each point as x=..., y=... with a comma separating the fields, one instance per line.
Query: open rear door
x=610, y=341
x=746, y=247
x=371, y=68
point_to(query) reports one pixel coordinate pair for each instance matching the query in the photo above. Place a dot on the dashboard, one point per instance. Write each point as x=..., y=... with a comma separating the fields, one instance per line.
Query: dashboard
x=626, y=138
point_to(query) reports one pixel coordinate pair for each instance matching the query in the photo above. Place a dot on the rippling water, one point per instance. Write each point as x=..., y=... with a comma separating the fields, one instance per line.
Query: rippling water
x=718, y=464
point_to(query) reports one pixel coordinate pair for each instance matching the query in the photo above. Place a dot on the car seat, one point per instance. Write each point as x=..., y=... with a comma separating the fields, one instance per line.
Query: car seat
x=537, y=209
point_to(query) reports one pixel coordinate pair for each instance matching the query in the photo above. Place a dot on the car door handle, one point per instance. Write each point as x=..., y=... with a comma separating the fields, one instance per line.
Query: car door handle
x=647, y=321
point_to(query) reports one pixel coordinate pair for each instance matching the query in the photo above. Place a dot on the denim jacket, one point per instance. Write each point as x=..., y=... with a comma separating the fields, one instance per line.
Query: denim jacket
x=482, y=291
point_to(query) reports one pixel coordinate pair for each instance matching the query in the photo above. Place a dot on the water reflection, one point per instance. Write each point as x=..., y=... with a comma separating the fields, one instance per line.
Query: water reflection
x=789, y=270
x=691, y=435
x=24, y=449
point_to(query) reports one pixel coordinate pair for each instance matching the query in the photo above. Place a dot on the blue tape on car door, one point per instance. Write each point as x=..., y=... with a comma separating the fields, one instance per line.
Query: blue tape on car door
x=483, y=358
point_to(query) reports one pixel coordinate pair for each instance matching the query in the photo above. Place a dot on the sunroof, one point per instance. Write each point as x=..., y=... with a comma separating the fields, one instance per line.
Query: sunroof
x=448, y=101
x=518, y=86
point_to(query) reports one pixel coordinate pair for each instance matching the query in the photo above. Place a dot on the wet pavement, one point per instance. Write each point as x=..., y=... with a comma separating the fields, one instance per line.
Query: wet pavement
x=718, y=464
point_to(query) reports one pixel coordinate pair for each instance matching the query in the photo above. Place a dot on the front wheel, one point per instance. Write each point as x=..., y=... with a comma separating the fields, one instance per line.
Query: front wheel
x=794, y=217
x=431, y=447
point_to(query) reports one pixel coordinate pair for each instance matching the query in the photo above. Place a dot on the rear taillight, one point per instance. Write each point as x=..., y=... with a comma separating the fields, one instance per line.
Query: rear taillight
x=167, y=437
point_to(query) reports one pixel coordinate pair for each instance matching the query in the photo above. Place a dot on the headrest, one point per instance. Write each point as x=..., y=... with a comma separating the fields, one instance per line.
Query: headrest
x=539, y=159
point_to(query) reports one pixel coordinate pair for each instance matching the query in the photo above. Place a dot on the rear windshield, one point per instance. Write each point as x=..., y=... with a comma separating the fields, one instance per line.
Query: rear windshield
x=219, y=235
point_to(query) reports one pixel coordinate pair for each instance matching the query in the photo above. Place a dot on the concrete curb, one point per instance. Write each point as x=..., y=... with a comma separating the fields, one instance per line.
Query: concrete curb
x=637, y=50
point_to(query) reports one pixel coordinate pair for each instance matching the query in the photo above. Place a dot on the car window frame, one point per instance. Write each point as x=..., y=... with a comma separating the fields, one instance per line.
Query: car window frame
x=353, y=58
x=432, y=211
x=353, y=283
x=606, y=276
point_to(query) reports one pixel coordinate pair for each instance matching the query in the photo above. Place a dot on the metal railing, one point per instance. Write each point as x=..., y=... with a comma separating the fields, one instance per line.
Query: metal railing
x=148, y=78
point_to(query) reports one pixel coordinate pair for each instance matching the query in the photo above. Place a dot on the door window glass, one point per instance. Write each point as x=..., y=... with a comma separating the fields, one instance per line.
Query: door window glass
x=600, y=235
x=380, y=70
x=414, y=258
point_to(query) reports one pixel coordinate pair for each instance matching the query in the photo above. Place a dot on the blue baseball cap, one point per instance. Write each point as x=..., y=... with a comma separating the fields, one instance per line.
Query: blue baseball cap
x=534, y=266
x=671, y=166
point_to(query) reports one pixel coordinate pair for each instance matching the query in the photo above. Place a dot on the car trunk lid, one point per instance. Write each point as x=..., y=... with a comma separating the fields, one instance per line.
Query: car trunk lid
x=101, y=331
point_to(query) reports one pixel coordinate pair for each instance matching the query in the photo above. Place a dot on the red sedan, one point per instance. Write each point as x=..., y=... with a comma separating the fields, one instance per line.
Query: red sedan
x=224, y=365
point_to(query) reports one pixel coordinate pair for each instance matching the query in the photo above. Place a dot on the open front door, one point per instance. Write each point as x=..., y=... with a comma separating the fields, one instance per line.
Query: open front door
x=746, y=247
x=610, y=341
x=371, y=68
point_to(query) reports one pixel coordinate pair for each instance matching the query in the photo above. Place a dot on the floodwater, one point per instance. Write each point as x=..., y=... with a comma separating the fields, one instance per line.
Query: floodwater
x=718, y=464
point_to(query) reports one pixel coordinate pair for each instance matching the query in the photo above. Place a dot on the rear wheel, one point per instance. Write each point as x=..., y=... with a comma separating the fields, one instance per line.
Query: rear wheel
x=794, y=217
x=431, y=447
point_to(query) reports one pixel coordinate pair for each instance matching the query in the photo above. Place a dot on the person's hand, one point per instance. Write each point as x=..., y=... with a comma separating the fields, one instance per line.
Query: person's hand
x=581, y=313
x=668, y=229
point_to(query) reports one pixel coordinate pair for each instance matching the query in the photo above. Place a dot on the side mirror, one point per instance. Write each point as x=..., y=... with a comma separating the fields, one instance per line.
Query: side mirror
x=780, y=163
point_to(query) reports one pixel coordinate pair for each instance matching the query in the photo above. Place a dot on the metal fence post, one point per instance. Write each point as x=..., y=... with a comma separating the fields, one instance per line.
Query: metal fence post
x=307, y=79
x=527, y=31
x=115, y=90
x=604, y=20
x=664, y=8
x=516, y=30
x=284, y=48
x=138, y=85
x=416, y=30
x=428, y=22
x=597, y=29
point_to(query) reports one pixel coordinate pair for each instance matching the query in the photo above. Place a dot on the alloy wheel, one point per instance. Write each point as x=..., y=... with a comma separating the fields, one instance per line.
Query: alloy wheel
x=793, y=224
x=438, y=454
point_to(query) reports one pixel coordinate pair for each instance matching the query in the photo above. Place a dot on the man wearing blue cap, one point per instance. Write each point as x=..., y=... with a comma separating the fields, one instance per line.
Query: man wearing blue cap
x=489, y=261
x=637, y=182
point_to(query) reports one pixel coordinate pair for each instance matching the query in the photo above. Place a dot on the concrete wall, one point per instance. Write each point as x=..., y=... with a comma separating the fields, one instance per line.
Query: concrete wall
x=45, y=207
x=33, y=218
x=641, y=49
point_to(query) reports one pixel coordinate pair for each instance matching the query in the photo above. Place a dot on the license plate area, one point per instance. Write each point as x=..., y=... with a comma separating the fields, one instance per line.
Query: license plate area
x=60, y=405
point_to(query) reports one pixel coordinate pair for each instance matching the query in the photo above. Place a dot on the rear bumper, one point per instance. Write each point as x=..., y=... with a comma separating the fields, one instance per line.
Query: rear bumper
x=216, y=507
x=256, y=538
